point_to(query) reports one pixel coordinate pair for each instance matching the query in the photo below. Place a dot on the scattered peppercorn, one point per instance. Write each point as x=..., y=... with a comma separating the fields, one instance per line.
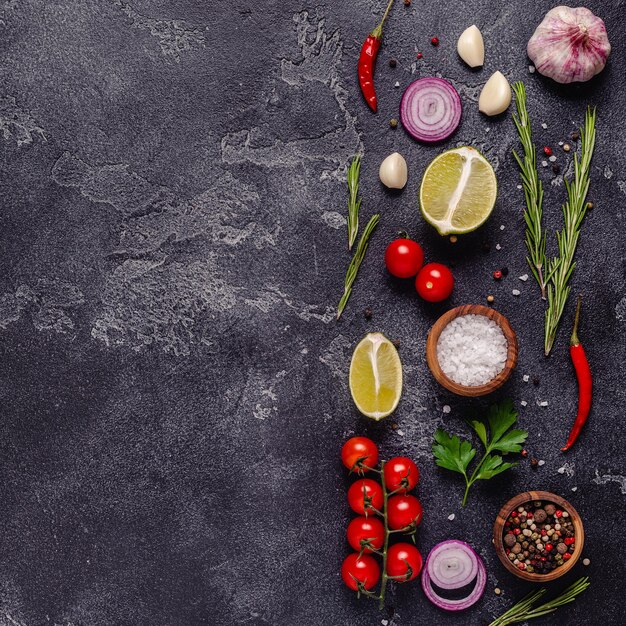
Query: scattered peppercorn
x=392, y=63
x=524, y=453
x=536, y=382
x=453, y=238
x=497, y=274
x=589, y=205
x=586, y=562
x=556, y=168
x=435, y=41
x=566, y=147
x=505, y=271
x=407, y=3
x=575, y=136
x=393, y=122
x=497, y=591
x=368, y=313
x=490, y=299
x=419, y=55
x=534, y=462
x=547, y=151
x=394, y=426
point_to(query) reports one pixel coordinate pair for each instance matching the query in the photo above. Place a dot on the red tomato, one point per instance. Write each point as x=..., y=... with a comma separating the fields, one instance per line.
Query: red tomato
x=365, y=569
x=373, y=494
x=435, y=282
x=359, y=449
x=399, y=468
x=364, y=529
x=398, y=556
x=403, y=258
x=403, y=511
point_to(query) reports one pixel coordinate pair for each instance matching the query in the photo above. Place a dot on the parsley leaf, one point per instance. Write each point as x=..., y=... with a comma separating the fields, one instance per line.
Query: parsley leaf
x=452, y=453
x=498, y=438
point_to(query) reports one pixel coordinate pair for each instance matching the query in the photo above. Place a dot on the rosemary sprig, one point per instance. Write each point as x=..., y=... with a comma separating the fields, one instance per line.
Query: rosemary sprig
x=574, y=209
x=354, y=204
x=533, y=190
x=355, y=263
x=523, y=610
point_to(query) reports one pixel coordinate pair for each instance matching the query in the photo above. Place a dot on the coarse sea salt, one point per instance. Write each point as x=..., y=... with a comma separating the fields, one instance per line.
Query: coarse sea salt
x=472, y=350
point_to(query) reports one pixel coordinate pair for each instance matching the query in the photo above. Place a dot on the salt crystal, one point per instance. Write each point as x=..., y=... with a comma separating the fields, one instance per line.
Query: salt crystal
x=523, y=277
x=451, y=516
x=574, y=488
x=498, y=246
x=542, y=403
x=560, y=143
x=524, y=403
x=542, y=462
x=519, y=186
x=400, y=432
x=552, y=159
x=384, y=622
x=446, y=408
x=501, y=226
x=487, y=130
x=544, y=126
x=516, y=292
x=472, y=350
x=525, y=378
x=544, y=164
x=531, y=69
x=397, y=84
x=561, y=470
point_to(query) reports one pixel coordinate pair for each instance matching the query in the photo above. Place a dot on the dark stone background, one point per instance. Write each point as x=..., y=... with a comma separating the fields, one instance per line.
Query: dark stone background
x=173, y=383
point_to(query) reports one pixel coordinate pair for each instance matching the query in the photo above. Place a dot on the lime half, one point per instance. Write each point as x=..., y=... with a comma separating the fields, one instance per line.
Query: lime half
x=458, y=191
x=375, y=376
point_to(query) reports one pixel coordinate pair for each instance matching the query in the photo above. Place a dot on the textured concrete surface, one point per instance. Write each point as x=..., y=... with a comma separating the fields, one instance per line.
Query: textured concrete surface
x=172, y=247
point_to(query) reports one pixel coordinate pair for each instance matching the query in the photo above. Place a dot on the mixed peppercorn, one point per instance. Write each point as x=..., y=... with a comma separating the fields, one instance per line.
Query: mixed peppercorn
x=539, y=537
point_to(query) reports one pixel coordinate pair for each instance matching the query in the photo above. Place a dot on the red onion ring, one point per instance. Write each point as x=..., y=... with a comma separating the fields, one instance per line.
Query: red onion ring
x=443, y=558
x=430, y=109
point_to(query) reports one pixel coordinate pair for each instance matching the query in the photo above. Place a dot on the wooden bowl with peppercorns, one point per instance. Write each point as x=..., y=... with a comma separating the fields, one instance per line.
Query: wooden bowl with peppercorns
x=551, y=532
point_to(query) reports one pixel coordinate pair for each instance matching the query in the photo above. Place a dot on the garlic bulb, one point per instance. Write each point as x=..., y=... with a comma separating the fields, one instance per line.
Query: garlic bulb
x=393, y=171
x=471, y=47
x=570, y=45
x=495, y=96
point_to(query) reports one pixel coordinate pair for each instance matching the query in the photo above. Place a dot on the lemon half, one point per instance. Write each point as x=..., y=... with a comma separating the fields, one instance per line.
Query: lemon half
x=376, y=376
x=458, y=191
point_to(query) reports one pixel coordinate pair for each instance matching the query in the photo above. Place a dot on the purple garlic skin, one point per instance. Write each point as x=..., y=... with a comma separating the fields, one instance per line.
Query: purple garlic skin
x=570, y=45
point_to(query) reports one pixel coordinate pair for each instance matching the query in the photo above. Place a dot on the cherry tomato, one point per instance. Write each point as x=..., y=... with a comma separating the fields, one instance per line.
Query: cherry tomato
x=398, y=556
x=363, y=529
x=397, y=469
x=373, y=493
x=359, y=449
x=403, y=511
x=365, y=569
x=404, y=258
x=435, y=282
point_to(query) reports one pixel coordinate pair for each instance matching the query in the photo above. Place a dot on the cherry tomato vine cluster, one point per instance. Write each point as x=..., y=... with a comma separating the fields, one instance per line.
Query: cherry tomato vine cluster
x=404, y=259
x=385, y=508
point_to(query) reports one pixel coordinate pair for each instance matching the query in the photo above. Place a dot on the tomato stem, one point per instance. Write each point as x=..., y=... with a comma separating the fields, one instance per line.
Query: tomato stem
x=383, y=583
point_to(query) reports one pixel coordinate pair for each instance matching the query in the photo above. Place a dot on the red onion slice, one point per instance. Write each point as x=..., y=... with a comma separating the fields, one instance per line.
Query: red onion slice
x=453, y=561
x=430, y=109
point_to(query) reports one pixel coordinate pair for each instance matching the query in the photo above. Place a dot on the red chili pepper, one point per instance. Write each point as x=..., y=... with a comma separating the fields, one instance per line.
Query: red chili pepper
x=367, y=59
x=583, y=375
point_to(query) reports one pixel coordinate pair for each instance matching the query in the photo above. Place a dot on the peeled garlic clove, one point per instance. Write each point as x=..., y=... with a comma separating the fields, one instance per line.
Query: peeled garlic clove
x=393, y=171
x=495, y=96
x=471, y=47
x=570, y=45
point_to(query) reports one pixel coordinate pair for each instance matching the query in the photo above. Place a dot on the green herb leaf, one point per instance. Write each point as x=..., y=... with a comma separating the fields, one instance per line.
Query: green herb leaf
x=481, y=431
x=501, y=417
x=511, y=441
x=451, y=452
x=491, y=466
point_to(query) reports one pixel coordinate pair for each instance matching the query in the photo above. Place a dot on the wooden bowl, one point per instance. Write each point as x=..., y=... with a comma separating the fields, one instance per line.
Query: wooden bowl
x=433, y=338
x=531, y=496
